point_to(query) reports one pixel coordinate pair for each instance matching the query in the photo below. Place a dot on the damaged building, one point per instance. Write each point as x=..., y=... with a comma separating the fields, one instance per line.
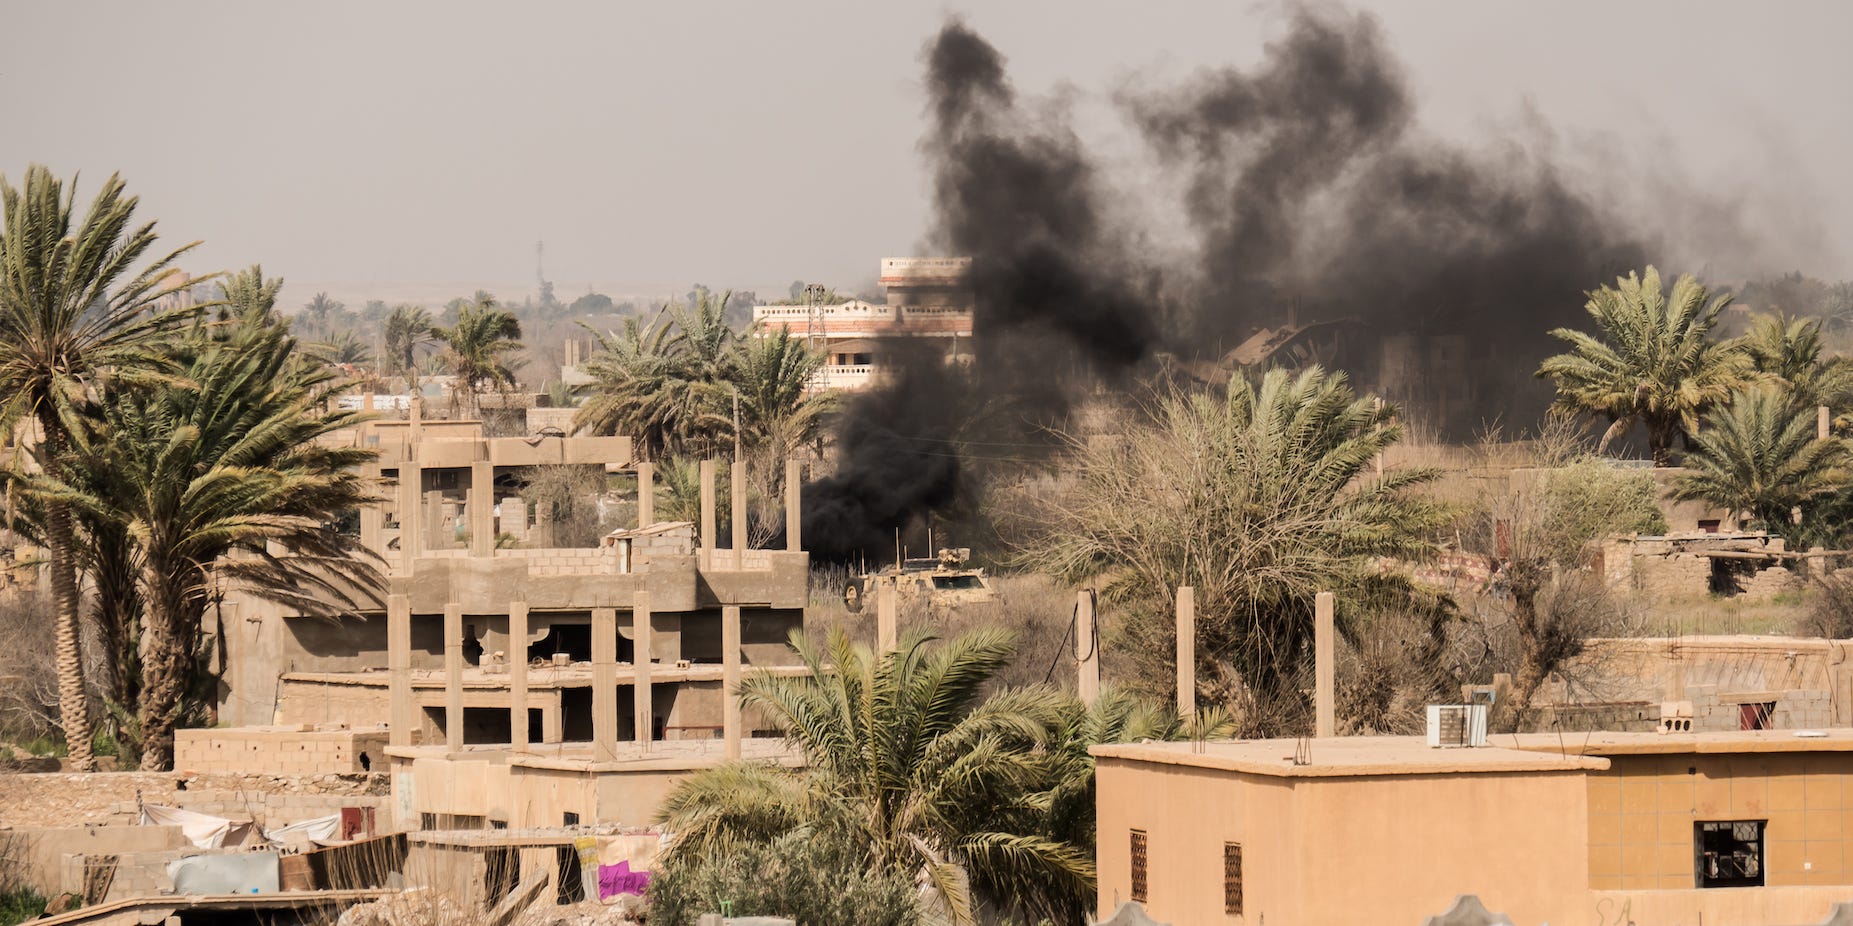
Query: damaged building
x=520, y=681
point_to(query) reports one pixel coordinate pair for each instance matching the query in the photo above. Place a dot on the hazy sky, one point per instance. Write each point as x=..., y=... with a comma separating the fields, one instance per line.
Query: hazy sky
x=653, y=145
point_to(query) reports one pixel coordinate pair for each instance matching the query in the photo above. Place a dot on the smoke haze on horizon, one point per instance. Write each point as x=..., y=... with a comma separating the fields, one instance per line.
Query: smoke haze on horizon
x=1308, y=188
x=657, y=146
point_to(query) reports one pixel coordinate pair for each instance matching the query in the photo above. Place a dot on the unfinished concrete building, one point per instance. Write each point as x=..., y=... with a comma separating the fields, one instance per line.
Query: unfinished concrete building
x=523, y=681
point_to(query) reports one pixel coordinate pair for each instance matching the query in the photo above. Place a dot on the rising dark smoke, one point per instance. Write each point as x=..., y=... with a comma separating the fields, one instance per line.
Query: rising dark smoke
x=1309, y=188
x=1310, y=196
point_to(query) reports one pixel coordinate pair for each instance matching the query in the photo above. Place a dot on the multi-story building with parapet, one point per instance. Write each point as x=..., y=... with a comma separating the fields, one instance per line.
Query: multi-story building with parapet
x=929, y=307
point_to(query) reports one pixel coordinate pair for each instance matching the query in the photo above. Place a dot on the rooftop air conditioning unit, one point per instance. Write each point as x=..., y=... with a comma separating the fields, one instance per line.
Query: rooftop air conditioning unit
x=1456, y=725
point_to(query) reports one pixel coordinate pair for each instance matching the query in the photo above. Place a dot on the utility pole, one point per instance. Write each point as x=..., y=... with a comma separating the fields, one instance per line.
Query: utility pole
x=814, y=314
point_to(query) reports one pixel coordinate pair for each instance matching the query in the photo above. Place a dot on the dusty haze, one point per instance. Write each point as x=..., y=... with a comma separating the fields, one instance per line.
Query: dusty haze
x=426, y=148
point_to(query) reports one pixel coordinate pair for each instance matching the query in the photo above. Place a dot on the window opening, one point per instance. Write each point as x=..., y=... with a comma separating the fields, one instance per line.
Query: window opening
x=1730, y=853
x=1756, y=715
x=1232, y=878
x=1138, y=865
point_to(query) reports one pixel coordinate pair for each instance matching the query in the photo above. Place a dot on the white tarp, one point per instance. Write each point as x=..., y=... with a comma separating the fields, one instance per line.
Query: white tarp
x=319, y=831
x=235, y=873
x=203, y=830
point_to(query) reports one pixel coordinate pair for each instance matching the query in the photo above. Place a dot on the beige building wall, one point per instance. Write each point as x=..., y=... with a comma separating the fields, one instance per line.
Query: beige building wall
x=1783, y=906
x=283, y=750
x=1320, y=850
x=1643, y=809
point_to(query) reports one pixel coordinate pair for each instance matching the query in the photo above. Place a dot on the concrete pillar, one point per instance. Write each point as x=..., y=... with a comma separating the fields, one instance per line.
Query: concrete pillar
x=372, y=517
x=415, y=413
x=366, y=400
x=646, y=494
x=604, y=684
x=482, y=509
x=642, y=636
x=402, y=713
x=543, y=525
x=453, y=677
x=887, y=632
x=1186, y=652
x=518, y=676
x=372, y=528
x=794, y=513
x=730, y=679
x=1325, y=669
x=411, y=515
x=1086, y=648
x=1823, y=422
x=737, y=482
x=435, y=514
x=708, y=527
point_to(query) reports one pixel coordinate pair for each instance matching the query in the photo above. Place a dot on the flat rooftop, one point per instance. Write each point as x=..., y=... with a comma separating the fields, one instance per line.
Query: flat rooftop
x=531, y=836
x=576, y=675
x=1348, y=757
x=664, y=755
x=1758, y=640
x=1640, y=744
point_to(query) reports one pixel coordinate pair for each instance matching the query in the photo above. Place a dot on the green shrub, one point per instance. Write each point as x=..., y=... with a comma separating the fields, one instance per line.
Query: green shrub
x=816, y=879
x=19, y=905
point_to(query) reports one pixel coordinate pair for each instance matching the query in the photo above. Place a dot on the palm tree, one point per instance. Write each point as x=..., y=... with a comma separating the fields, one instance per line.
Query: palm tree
x=906, y=751
x=407, y=329
x=345, y=349
x=1789, y=350
x=224, y=458
x=634, y=372
x=665, y=384
x=678, y=488
x=1759, y=457
x=1652, y=361
x=248, y=295
x=1259, y=498
x=477, y=349
x=779, y=411
x=73, y=310
x=319, y=309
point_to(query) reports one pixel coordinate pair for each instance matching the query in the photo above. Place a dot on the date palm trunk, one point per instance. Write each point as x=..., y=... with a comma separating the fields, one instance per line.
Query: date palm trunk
x=73, y=702
x=165, y=673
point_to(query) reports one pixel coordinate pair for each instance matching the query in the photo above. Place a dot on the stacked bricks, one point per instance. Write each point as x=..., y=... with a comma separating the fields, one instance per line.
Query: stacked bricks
x=282, y=751
x=1796, y=708
x=62, y=799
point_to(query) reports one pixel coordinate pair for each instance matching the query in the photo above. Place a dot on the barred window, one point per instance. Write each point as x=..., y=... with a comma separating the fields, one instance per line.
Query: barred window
x=1730, y=853
x=1138, y=865
x=1232, y=877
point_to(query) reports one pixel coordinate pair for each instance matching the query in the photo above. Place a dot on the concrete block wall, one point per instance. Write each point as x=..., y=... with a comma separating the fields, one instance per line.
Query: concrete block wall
x=306, y=701
x=44, y=853
x=1675, y=575
x=1796, y=709
x=1771, y=582
x=287, y=751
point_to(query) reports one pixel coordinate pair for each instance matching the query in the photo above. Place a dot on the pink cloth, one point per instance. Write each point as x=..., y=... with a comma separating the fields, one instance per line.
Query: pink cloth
x=620, y=879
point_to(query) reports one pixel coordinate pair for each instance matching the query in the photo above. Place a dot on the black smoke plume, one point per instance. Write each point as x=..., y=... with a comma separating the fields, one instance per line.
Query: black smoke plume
x=1310, y=191
x=1308, y=194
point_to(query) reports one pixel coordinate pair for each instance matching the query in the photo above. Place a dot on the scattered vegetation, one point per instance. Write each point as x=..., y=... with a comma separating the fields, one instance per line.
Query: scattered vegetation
x=984, y=799
x=1258, y=498
x=1652, y=361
